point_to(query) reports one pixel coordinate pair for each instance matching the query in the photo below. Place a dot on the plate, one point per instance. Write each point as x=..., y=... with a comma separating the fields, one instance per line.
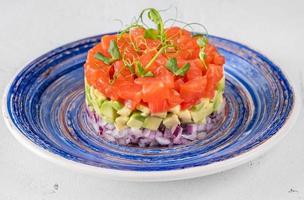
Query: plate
x=44, y=108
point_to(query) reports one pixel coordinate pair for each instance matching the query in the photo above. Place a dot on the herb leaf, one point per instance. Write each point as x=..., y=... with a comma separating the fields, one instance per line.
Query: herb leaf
x=182, y=71
x=130, y=68
x=140, y=69
x=149, y=74
x=151, y=33
x=155, y=17
x=202, y=41
x=113, y=50
x=104, y=59
x=202, y=54
x=172, y=65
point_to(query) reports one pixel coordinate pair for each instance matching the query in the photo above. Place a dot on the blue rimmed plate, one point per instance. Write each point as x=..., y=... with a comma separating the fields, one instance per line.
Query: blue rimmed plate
x=44, y=108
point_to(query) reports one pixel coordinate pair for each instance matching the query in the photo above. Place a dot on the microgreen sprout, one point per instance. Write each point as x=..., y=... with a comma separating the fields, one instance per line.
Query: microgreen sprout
x=155, y=33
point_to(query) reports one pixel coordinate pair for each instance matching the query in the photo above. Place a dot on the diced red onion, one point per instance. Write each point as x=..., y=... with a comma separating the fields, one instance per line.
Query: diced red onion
x=180, y=134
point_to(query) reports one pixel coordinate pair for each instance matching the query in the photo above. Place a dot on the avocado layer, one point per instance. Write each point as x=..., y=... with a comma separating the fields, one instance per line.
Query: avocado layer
x=122, y=117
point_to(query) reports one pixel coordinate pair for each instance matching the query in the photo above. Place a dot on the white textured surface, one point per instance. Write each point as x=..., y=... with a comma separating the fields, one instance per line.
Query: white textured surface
x=30, y=28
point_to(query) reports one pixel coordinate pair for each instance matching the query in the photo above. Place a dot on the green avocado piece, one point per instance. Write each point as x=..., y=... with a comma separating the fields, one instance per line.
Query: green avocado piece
x=97, y=97
x=107, y=111
x=160, y=115
x=203, y=102
x=221, y=85
x=152, y=123
x=185, y=116
x=116, y=105
x=171, y=121
x=218, y=100
x=199, y=115
x=143, y=109
x=88, y=97
x=120, y=122
x=175, y=109
x=124, y=111
x=136, y=120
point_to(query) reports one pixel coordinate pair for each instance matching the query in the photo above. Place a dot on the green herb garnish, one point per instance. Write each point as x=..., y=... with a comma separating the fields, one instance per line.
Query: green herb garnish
x=155, y=17
x=113, y=50
x=104, y=59
x=202, y=54
x=183, y=70
x=149, y=74
x=151, y=33
x=141, y=71
x=172, y=66
x=202, y=41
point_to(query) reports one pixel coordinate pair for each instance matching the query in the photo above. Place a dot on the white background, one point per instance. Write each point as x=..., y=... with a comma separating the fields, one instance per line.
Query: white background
x=30, y=28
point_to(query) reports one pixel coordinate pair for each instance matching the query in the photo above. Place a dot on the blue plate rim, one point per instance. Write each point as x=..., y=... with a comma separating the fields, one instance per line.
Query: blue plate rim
x=155, y=176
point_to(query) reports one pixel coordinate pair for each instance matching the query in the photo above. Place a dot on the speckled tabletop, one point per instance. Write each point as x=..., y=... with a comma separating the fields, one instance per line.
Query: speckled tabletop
x=30, y=28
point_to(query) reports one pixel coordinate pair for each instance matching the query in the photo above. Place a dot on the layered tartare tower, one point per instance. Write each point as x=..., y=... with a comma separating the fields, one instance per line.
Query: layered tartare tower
x=150, y=87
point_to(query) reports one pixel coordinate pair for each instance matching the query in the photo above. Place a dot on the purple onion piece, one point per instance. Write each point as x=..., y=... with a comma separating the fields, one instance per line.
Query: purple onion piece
x=181, y=134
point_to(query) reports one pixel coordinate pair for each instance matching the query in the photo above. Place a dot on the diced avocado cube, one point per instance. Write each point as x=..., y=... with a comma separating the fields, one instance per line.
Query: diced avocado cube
x=199, y=116
x=95, y=96
x=99, y=97
x=120, y=122
x=218, y=100
x=209, y=109
x=185, y=116
x=124, y=111
x=203, y=102
x=221, y=85
x=88, y=97
x=116, y=105
x=92, y=92
x=144, y=109
x=160, y=115
x=171, y=121
x=152, y=123
x=107, y=111
x=136, y=120
x=144, y=114
x=175, y=109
